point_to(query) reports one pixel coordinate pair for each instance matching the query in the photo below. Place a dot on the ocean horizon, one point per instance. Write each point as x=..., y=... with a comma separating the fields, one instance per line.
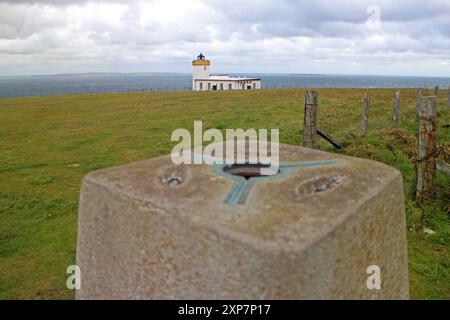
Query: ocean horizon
x=98, y=82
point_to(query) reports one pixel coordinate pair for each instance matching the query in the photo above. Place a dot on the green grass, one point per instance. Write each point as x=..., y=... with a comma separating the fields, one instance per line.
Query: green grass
x=47, y=144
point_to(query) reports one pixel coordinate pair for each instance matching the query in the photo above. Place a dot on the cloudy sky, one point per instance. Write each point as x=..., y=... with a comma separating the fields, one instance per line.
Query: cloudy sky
x=392, y=37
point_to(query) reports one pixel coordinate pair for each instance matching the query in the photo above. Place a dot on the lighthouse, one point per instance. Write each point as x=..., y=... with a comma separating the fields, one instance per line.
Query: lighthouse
x=200, y=69
x=202, y=80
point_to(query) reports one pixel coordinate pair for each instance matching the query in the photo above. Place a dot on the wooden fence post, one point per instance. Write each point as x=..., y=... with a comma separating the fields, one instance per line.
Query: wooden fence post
x=396, y=106
x=310, y=119
x=436, y=91
x=419, y=95
x=365, y=116
x=448, y=97
x=426, y=166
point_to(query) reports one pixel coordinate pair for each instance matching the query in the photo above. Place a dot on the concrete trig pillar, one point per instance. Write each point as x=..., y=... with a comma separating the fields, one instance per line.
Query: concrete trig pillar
x=324, y=226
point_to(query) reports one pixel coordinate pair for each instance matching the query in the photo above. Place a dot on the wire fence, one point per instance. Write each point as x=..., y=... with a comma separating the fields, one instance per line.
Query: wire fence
x=284, y=85
x=187, y=88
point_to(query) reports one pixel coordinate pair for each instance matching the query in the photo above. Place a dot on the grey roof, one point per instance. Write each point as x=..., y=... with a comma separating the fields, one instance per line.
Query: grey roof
x=223, y=78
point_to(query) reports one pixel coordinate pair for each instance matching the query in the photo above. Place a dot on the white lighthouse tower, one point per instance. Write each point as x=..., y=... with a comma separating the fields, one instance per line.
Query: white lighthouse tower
x=200, y=69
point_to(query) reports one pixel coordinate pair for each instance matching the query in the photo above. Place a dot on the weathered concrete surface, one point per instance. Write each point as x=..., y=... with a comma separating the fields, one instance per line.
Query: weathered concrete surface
x=140, y=238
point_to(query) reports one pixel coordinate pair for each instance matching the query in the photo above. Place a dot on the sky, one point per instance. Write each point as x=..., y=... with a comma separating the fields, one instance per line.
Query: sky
x=385, y=37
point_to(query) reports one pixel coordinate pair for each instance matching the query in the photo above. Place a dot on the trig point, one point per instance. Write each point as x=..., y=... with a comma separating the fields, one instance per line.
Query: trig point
x=202, y=80
x=325, y=226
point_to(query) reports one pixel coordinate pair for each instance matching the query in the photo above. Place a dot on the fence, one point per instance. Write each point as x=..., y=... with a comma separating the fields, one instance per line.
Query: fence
x=430, y=158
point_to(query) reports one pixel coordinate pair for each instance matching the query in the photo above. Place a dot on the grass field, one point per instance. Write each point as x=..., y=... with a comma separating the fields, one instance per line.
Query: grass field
x=47, y=145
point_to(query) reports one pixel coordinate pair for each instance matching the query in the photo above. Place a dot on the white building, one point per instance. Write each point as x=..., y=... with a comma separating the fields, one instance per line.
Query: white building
x=202, y=80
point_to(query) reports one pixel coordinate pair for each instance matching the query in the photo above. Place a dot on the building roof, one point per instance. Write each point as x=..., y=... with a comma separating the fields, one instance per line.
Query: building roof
x=225, y=78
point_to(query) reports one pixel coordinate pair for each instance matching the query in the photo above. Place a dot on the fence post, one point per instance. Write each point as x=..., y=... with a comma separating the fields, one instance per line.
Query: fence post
x=365, y=116
x=436, y=91
x=396, y=107
x=419, y=95
x=426, y=165
x=310, y=119
x=448, y=97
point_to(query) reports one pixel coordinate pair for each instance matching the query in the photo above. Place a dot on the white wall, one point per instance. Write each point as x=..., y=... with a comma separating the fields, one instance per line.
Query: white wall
x=235, y=85
x=199, y=72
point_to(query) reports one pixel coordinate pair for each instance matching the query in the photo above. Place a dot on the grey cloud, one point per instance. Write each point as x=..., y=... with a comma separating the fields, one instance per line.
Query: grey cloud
x=291, y=30
x=59, y=2
x=338, y=18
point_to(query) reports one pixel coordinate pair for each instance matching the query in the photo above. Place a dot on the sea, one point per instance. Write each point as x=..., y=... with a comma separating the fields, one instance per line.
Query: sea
x=46, y=85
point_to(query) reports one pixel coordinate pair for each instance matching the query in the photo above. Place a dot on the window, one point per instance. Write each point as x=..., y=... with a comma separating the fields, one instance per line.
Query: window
x=209, y=86
x=201, y=85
